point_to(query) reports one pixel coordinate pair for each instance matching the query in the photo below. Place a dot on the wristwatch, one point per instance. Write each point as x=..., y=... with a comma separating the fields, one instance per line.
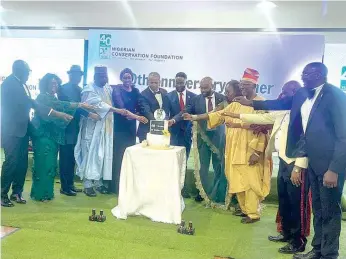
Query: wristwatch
x=296, y=170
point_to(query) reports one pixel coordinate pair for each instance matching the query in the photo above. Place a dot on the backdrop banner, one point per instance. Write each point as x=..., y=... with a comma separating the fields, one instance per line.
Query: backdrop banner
x=222, y=56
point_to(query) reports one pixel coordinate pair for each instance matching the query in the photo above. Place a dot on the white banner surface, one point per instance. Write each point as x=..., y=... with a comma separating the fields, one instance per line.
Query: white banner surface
x=222, y=56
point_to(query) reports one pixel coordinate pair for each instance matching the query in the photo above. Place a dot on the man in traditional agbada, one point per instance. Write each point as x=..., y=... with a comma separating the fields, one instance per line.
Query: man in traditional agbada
x=247, y=170
x=94, y=148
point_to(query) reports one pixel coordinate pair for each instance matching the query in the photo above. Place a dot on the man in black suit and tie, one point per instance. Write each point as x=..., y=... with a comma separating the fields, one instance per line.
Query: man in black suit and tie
x=151, y=99
x=208, y=141
x=317, y=130
x=16, y=103
x=70, y=92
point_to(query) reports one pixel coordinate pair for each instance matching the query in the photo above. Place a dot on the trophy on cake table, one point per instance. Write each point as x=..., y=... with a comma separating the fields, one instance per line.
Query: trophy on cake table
x=158, y=136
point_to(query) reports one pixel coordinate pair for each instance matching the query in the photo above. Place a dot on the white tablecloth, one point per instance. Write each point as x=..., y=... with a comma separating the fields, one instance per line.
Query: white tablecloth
x=150, y=184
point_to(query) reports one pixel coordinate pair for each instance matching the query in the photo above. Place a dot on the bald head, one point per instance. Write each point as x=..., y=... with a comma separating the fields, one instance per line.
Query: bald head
x=206, y=86
x=290, y=88
x=314, y=75
x=21, y=70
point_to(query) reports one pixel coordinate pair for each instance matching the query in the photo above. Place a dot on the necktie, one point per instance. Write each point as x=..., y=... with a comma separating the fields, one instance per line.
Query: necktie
x=181, y=102
x=311, y=93
x=210, y=104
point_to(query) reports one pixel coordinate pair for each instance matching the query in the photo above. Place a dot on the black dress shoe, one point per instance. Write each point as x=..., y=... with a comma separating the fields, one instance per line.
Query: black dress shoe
x=102, y=190
x=239, y=213
x=279, y=238
x=311, y=255
x=5, y=202
x=291, y=249
x=17, y=198
x=75, y=189
x=90, y=192
x=68, y=193
x=248, y=220
x=199, y=198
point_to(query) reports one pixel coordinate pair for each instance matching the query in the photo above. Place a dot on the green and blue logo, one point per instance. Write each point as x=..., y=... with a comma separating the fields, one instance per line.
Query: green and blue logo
x=343, y=78
x=105, y=46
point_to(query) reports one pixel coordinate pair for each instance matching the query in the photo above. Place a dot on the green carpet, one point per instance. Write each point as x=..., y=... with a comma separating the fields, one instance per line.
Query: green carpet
x=60, y=229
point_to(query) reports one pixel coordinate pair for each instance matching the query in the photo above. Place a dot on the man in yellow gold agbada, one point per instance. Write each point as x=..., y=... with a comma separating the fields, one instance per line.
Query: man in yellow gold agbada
x=247, y=170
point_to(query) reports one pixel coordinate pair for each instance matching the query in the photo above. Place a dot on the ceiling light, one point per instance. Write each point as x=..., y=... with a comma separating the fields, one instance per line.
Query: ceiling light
x=266, y=5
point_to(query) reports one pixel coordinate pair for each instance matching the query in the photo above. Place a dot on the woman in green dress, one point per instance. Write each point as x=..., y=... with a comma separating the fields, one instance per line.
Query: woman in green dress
x=48, y=135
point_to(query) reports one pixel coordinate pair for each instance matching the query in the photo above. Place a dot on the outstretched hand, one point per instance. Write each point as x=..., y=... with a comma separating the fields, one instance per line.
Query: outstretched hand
x=187, y=116
x=63, y=116
x=142, y=119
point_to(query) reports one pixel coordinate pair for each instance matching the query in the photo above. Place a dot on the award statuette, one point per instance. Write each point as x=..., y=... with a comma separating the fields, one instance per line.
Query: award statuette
x=159, y=114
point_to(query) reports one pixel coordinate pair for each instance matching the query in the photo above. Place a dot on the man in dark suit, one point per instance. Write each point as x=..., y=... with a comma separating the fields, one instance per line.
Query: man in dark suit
x=317, y=130
x=70, y=92
x=208, y=140
x=181, y=130
x=16, y=103
x=151, y=99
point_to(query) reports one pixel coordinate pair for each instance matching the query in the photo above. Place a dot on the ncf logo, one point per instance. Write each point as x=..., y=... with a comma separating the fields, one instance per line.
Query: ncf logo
x=343, y=79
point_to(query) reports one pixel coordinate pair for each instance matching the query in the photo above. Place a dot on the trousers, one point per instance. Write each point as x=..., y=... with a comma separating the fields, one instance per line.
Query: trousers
x=15, y=165
x=249, y=203
x=66, y=166
x=326, y=207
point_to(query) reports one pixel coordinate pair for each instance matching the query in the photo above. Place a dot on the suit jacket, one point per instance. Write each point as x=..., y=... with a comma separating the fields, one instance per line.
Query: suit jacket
x=175, y=112
x=198, y=106
x=276, y=118
x=147, y=106
x=324, y=141
x=15, y=108
x=72, y=93
x=217, y=135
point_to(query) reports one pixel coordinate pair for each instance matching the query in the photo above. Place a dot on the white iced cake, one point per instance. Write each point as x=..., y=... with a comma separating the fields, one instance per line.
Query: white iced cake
x=158, y=137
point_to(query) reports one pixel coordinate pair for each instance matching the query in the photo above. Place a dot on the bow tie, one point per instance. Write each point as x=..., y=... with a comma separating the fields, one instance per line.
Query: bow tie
x=311, y=93
x=157, y=92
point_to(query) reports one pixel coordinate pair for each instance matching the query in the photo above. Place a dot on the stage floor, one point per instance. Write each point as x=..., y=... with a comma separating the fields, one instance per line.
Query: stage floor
x=61, y=229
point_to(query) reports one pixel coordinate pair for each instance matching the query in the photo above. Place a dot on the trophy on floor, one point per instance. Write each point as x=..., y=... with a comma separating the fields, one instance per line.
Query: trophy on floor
x=93, y=215
x=182, y=228
x=190, y=230
x=101, y=217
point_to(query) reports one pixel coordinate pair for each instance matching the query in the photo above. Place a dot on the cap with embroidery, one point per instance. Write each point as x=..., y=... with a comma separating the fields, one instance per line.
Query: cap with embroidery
x=251, y=75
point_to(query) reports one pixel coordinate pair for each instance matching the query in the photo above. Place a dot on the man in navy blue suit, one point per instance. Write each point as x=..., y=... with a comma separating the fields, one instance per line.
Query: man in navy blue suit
x=181, y=130
x=151, y=99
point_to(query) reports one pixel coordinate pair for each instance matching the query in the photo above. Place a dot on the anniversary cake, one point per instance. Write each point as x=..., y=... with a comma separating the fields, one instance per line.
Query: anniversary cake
x=159, y=136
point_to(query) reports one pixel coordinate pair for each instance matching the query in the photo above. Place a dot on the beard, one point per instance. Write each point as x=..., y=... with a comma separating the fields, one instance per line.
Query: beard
x=206, y=94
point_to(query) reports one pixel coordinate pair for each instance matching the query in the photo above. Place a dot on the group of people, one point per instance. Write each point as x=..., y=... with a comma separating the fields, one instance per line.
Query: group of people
x=309, y=134
x=91, y=127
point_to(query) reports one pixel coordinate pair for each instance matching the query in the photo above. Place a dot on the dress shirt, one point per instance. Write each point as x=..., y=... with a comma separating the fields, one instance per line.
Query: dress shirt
x=212, y=101
x=284, y=124
x=184, y=96
x=306, y=108
x=158, y=97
